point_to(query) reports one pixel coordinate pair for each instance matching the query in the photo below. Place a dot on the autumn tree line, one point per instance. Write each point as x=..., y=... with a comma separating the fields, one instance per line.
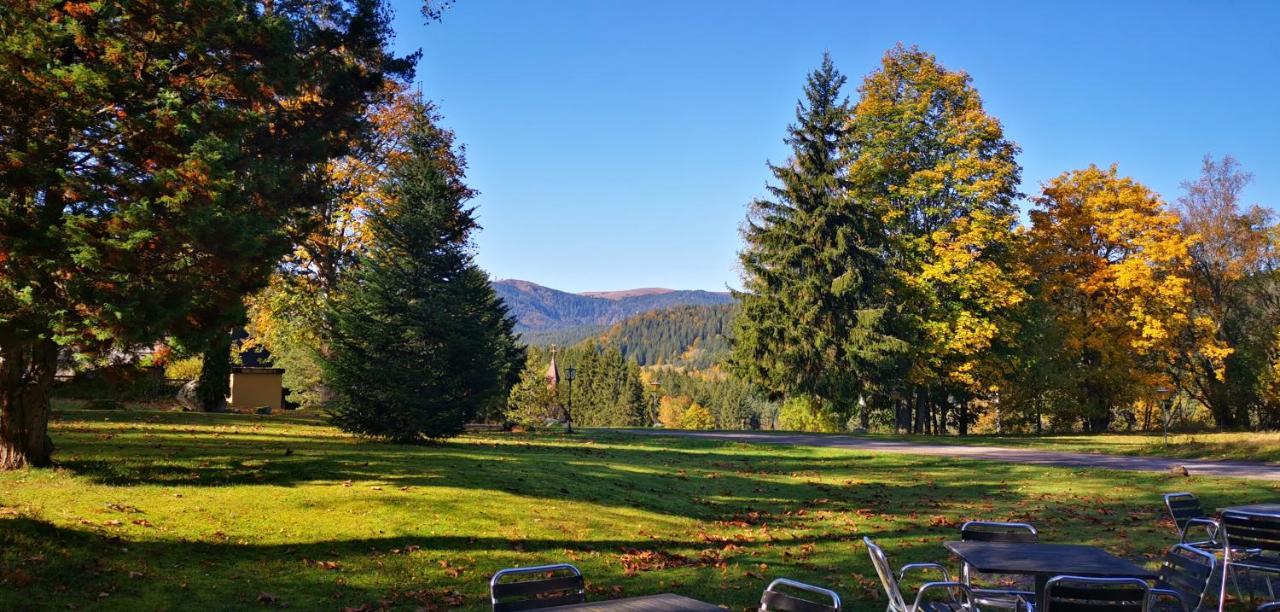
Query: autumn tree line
x=891, y=283
x=888, y=278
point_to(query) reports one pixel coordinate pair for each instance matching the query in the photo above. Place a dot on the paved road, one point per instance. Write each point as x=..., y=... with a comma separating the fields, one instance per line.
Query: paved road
x=1196, y=467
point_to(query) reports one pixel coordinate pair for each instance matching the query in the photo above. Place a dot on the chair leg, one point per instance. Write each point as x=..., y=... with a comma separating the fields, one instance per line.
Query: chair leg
x=1222, y=592
x=1235, y=579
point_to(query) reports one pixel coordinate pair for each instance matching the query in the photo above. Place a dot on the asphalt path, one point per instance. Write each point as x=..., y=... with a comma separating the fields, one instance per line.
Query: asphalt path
x=1028, y=456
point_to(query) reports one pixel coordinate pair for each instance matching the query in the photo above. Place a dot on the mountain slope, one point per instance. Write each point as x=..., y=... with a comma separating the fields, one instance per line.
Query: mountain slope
x=690, y=336
x=543, y=312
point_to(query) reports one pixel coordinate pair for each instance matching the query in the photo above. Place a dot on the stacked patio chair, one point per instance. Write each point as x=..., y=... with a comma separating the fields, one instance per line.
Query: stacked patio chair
x=989, y=531
x=947, y=589
x=547, y=586
x=1250, y=541
x=1185, y=578
x=1079, y=594
x=1271, y=606
x=779, y=597
x=1187, y=514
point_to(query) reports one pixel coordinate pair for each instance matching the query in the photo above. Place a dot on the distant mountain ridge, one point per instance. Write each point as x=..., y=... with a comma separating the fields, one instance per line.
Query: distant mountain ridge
x=545, y=315
x=618, y=295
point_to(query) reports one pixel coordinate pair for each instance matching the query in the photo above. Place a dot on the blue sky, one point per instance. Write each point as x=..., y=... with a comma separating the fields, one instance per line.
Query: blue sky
x=616, y=144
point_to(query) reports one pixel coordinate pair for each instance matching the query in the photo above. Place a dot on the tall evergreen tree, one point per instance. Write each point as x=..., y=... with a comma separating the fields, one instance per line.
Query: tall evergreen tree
x=419, y=342
x=813, y=315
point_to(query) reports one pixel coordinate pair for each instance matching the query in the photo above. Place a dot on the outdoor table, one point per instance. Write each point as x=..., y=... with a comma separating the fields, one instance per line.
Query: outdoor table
x=666, y=602
x=1044, y=561
x=1271, y=508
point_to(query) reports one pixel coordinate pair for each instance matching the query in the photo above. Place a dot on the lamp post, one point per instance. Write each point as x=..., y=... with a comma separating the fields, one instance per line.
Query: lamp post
x=1164, y=411
x=569, y=375
x=996, y=401
x=863, y=418
x=653, y=403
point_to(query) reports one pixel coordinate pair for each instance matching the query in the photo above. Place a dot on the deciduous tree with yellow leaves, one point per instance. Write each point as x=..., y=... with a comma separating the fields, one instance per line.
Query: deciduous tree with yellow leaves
x=1114, y=268
x=1234, y=263
x=925, y=153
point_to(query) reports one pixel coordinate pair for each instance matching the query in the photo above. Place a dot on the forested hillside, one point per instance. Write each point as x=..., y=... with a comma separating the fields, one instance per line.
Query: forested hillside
x=688, y=336
x=542, y=313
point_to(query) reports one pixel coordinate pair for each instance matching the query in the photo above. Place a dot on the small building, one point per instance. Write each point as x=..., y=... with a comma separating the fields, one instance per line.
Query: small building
x=257, y=387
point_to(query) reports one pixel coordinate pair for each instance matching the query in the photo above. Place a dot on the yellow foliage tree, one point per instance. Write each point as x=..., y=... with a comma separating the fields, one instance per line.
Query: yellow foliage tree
x=671, y=410
x=1114, y=268
x=973, y=280
x=697, y=417
x=925, y=152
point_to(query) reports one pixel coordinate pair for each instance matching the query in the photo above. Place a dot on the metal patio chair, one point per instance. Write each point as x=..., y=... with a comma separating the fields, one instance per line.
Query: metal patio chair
x=1186, y=512
x=775, y=598
x=1080, y=594
x=991, y=531
x=1250, y=541
x=1185, y=579
x=559, y=585
x=946, y=587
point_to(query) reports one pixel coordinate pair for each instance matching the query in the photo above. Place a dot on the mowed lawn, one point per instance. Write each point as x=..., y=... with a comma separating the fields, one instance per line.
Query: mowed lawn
x=160, y=510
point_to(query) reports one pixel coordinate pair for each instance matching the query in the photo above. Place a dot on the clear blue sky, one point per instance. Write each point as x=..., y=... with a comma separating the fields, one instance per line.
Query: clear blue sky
x=616, y=144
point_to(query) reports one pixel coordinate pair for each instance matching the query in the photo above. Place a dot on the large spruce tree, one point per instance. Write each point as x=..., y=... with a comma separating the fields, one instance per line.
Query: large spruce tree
x=418, y=341
x=813, y=314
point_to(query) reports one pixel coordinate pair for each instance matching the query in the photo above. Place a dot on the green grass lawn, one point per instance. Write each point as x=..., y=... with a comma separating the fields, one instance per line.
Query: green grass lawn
x=152, y=510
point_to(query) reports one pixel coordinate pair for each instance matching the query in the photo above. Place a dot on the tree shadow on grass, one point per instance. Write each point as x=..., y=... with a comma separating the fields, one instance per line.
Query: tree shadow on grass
x=793, y=512
x=700, y=480
x=72, y=568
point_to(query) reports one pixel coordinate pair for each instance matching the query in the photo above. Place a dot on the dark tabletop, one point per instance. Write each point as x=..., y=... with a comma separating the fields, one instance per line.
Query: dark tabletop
x=1254, y=509
x=1045, y=560
x=666, y=602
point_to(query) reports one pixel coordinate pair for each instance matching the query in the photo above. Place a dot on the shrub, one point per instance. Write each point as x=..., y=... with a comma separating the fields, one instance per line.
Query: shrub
x=697, y=417
x=803, y=413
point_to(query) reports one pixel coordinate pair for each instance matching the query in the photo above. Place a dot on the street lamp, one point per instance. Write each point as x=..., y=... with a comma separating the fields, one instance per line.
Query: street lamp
x=569, y=375
x=653, y=404
x=1165, y=399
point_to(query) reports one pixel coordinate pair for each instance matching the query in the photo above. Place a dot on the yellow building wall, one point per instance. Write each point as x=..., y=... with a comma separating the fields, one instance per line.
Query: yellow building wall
x=256, y=387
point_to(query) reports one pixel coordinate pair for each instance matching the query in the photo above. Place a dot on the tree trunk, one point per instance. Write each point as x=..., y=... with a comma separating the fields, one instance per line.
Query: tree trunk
x=902, y=414
x=1039, y=416
x=963, y=418
x=942, y=418
x=215, y=374
x=922, y=407
x=27, y=367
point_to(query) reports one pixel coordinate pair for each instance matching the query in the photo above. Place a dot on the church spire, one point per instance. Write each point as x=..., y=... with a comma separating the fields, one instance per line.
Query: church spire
x=553, y=372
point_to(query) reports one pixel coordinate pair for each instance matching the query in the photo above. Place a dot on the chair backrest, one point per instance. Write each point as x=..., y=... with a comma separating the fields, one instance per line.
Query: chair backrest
x=1250, y=530
x=1270, y=606
x=776, y=597
x=1079, y=594
x=991, y=531
x=1187, y=570
x=885, y=571
x=555, y=585
x=1182, y=508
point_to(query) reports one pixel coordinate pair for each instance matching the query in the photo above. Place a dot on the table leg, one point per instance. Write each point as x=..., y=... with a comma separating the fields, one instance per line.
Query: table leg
x=1042, y=581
